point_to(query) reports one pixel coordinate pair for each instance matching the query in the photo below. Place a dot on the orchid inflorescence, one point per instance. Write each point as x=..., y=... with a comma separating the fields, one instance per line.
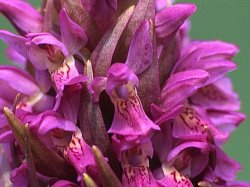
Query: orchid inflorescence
x=114, y=93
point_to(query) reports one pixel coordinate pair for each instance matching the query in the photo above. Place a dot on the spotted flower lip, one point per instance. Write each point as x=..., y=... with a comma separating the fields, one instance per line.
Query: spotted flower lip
x=114, y=93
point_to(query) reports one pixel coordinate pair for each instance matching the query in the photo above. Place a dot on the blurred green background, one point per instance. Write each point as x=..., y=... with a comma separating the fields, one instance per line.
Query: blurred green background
x=227, y=20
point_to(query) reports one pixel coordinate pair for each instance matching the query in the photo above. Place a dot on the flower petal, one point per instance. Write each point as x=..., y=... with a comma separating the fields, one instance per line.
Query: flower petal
x=169, y=20
x=48, y=121
x=19, y=80
x=79, y=153
x=217, y=96
x=73, y=36
x=213, y=57
x=130, y=118
x=136, y=170
x=24, y=17
x=45, y=51
x=64, y=183
x=19, y=176
x=173, y=178
x=226, y=168
x=14, y=41
x=226, y=121
x=140, y=55
x=177, y=89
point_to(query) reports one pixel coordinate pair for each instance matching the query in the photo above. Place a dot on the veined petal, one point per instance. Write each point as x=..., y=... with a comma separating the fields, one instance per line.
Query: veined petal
x=213, y=57
x=19, y=80
x=49, y=120
x=212, y=49
x=24, y=17
x=181, y=86
x=171, y=177
x=15, y=56
x=140, y=55
x=176, y=90
x=188, y=144
x=238, y=184
x=70, y=104
x=80, y=15
x=45, y=51
x=217, y=96
x=79, y=153
x=190, y=157
x=14, y=41
x=136, y=170
x=163, y=142
x=226, y=121
x=193, y=124
x=226, y=168
x=66, y=74
x=169, y=20
x=130, y=118
x=73, y=36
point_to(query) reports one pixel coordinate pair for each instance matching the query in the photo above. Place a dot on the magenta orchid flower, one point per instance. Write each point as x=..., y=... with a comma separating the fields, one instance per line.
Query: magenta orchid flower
x=114, y=93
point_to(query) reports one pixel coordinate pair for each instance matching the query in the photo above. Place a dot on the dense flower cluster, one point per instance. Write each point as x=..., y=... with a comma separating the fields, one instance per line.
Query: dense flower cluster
x=114, y=93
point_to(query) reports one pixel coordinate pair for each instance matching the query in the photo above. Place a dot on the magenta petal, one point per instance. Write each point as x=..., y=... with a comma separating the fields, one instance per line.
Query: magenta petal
x=97, y=86
x=217, y=96
x=19, y=80
x=169, y=19
x=70, y=105
x=48, y=39
x=177, y=89
x=140, y=53
x=120, y=74
x=226, y=168
x=130, y=118
x=43, y=48
x=212, y=49
x=49, y=120
x=24, y=17
x=190, y=125
x=135, y=166
x=163, y=142
x=182, y=85
x=7, y=136
x=43, y=80
x=73, y=36
x=238, y=184
x=64, y=183
x=66, y=74
x=14, y=41
x=193, y=124
x=188, y=144
x=173, y=178
x=19, y=176
x=226, y=121
x=15, y=56
x=213, y=57
x=79, y=153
